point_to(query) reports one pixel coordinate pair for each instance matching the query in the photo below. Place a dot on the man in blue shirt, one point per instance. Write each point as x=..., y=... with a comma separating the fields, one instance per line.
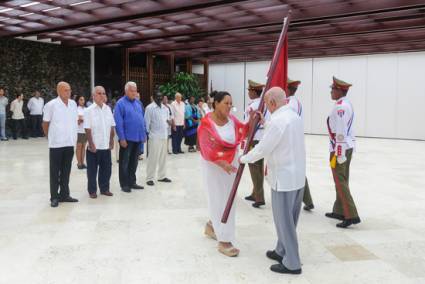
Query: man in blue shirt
x=131, y=131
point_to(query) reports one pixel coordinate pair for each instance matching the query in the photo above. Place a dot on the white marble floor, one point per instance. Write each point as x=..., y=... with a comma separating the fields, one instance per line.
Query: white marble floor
x=156, y=235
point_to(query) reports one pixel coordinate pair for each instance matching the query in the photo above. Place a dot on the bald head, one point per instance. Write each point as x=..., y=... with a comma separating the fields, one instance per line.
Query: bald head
x=64, y=90
x=275, y=98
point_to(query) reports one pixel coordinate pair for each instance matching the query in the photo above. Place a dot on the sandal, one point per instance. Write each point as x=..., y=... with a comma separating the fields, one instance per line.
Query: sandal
x=229, y=251
x=209, y=231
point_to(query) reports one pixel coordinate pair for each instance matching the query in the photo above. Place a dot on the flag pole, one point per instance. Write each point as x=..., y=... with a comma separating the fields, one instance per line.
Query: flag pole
x=254, y=120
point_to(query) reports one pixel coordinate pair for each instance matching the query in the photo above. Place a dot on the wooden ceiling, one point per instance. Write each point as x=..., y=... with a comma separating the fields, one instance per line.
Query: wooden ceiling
x=222, y=31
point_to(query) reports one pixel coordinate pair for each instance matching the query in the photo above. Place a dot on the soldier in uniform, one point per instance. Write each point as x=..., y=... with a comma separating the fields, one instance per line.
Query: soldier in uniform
x=256, y=169
x=342, y=143
x=296, y=106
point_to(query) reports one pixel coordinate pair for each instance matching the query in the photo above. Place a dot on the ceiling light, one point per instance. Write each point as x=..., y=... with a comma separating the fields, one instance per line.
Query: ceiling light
x=51, y=9
x=30, y=4
x=80, y=3
x=6, y=10
x=27, y=14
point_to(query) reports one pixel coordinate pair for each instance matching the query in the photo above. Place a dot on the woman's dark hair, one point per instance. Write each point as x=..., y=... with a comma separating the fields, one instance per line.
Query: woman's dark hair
x=218, y=96
x=18, y=95
x=77, y=99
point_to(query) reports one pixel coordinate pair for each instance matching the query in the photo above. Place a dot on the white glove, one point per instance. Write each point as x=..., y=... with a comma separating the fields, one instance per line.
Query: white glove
x=341, y=159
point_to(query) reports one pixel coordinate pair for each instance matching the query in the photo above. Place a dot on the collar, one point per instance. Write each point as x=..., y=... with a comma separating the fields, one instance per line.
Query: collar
x=157, y=106
x=62, y=102
x=339, y=101
x=128, y=99
x=101, y=107
x=280, y=110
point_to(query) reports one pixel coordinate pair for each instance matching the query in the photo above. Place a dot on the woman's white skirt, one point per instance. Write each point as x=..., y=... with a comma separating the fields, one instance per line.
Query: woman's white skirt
x=218, y=185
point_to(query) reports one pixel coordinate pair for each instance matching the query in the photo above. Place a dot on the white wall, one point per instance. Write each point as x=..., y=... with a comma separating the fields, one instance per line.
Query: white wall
x=387, y=94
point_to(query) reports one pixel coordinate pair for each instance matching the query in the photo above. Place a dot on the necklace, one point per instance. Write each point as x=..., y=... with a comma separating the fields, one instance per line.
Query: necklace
x=220, y=120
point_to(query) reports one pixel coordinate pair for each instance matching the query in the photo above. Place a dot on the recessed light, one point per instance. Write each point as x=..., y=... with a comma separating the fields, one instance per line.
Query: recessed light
x=51, y=9
x=29, y=4
x=27, y=14
x=79, y=3
x=6, y=10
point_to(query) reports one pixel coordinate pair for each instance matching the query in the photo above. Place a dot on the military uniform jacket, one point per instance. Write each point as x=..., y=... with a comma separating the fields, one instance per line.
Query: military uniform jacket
x=340, y=127
x=296, y=106
x=253, y=106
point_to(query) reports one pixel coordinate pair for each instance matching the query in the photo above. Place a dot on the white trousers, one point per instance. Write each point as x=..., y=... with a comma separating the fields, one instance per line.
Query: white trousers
x=157, y=157
x=218, y=185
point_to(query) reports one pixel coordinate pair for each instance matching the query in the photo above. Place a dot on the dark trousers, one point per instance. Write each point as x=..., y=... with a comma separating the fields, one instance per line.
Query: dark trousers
x=60, y=168
x=99, y=161
x=176, y=139
x=307, y=196
x=129, y=158
x=36, y=130
x=19, y=126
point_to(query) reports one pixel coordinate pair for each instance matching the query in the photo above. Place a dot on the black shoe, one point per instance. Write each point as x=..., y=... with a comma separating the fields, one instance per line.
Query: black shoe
x=126, y=189
x=68, y=199
x=258, y=204
x=80, y=167
x=136, y=186
x=181, y=152
x=164, y=180
x=175, y=153
x=151, y=183
x=54, y=203
x=250, y=198
x=25, y=138
x=5, y=139
x=348, y=222
x=308, y=207
x=84, y=166
x=280, y=268
x=272, y=254
x=335, y=216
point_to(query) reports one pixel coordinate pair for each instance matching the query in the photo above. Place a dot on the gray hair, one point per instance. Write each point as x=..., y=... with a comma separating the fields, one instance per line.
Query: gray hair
x=97, y=87
x=128, y=85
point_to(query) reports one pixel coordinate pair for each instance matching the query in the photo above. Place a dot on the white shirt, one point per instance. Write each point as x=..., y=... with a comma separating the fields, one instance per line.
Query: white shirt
x=35, y=106
x=227, y=131
x=81, y=111
x=206, y=108
x=283, y=148
x=3, y=103
x=340, y=127
x=253, y=106
x=156, y=121
x=178, y=112
x=16, y=109
x=62, y=123
x=100, y=121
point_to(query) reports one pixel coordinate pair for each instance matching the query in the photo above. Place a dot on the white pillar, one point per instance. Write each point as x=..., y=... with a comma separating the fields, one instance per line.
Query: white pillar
x=91, y=67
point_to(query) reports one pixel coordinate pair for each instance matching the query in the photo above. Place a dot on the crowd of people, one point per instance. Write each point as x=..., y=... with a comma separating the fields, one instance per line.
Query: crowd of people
x=24, y=121
x=276, y=154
